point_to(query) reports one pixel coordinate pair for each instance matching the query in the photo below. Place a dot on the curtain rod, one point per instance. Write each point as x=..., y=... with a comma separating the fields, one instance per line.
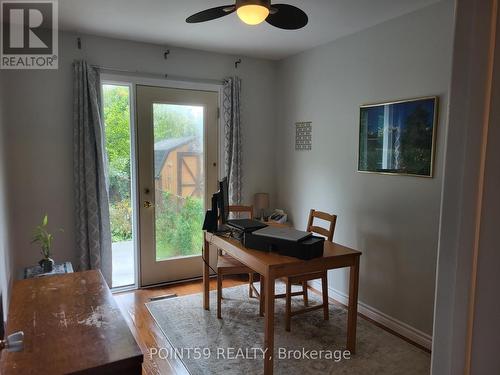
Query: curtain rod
x=158, y=75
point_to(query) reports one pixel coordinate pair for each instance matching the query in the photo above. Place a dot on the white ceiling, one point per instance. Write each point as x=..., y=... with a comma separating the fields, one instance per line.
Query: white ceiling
x=163, y=22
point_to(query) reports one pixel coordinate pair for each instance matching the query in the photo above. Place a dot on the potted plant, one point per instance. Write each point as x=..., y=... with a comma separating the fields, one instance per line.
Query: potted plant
x=44, y=239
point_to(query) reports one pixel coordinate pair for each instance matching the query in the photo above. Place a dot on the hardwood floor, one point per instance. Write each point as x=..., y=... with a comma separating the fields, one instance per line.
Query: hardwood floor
x=147, y=334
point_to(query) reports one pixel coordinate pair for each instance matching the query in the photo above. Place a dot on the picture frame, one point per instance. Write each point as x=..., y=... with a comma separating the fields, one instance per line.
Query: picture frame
x=398, y=137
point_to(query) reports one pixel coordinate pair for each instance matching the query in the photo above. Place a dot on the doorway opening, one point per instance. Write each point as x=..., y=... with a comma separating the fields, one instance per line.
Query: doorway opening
x=162, y=152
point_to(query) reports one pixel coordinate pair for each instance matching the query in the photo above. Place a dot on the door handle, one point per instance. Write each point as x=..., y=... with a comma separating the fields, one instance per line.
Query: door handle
x=147, y=204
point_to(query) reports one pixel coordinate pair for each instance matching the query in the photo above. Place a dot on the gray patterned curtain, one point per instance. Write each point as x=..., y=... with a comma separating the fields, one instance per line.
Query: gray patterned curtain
x=232, y=131
x=93, y=235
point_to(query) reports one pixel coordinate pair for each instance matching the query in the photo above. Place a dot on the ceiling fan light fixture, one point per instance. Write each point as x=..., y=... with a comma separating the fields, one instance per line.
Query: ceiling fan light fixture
x=252, y=14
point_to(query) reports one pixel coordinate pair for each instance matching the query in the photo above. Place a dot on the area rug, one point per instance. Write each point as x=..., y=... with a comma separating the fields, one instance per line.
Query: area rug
x=233, y=345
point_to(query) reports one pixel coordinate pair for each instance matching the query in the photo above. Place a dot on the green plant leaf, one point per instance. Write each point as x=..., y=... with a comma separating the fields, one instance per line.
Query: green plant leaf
x=43, y=238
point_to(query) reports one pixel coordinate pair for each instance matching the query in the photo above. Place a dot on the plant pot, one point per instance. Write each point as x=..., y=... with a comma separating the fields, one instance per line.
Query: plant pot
x=47, y=264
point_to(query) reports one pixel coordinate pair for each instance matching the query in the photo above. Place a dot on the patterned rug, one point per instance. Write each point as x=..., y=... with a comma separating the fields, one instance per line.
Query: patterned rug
x=233, y=345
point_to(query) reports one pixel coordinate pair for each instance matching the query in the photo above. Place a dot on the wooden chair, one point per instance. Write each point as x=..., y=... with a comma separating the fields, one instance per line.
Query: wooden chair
x=227, y=265
x=304, y=278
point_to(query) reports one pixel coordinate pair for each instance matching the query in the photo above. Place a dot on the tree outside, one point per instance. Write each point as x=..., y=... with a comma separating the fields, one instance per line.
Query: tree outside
x=117, y=124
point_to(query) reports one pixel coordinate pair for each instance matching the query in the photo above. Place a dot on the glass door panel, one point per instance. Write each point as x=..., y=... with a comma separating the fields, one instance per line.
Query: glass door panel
x=116, y=110
x=179, y=179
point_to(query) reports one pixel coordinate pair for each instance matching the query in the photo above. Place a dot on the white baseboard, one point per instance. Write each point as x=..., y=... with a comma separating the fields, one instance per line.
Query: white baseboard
x=387, y=321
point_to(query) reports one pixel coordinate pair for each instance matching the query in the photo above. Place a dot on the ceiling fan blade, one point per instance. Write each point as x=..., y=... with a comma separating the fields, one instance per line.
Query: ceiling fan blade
x=287, y=17
x=211, y=14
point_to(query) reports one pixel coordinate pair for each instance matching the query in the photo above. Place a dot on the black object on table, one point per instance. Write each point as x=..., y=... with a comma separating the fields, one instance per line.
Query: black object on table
x=306, y=249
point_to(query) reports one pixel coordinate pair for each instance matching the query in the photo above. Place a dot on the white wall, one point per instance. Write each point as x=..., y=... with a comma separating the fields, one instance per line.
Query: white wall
x=393, y=220
x=39, y=119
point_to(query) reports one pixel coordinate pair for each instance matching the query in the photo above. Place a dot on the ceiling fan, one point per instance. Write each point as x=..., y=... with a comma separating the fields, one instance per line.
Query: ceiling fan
x=253, y=12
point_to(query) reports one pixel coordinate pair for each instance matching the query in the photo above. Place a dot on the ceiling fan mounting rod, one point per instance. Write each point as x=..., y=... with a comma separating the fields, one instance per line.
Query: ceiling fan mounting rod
x=264, y=3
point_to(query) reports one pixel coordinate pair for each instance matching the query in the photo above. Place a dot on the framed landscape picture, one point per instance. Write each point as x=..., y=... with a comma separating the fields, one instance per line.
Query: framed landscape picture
x=398, y=137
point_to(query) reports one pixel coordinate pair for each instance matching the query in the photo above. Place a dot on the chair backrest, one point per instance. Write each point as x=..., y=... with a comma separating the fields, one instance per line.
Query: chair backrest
x=328, y=233
x=242, y=209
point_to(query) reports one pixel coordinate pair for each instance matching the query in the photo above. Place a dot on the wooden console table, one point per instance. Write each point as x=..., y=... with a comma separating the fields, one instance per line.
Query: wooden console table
x=71, y=324
x=272, y=266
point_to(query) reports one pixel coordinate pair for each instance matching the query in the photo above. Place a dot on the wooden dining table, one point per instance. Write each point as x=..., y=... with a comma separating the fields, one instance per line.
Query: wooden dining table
x=272, y=266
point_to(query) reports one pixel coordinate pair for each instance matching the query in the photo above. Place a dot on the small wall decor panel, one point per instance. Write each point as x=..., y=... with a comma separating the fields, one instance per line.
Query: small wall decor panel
x=303, y=136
